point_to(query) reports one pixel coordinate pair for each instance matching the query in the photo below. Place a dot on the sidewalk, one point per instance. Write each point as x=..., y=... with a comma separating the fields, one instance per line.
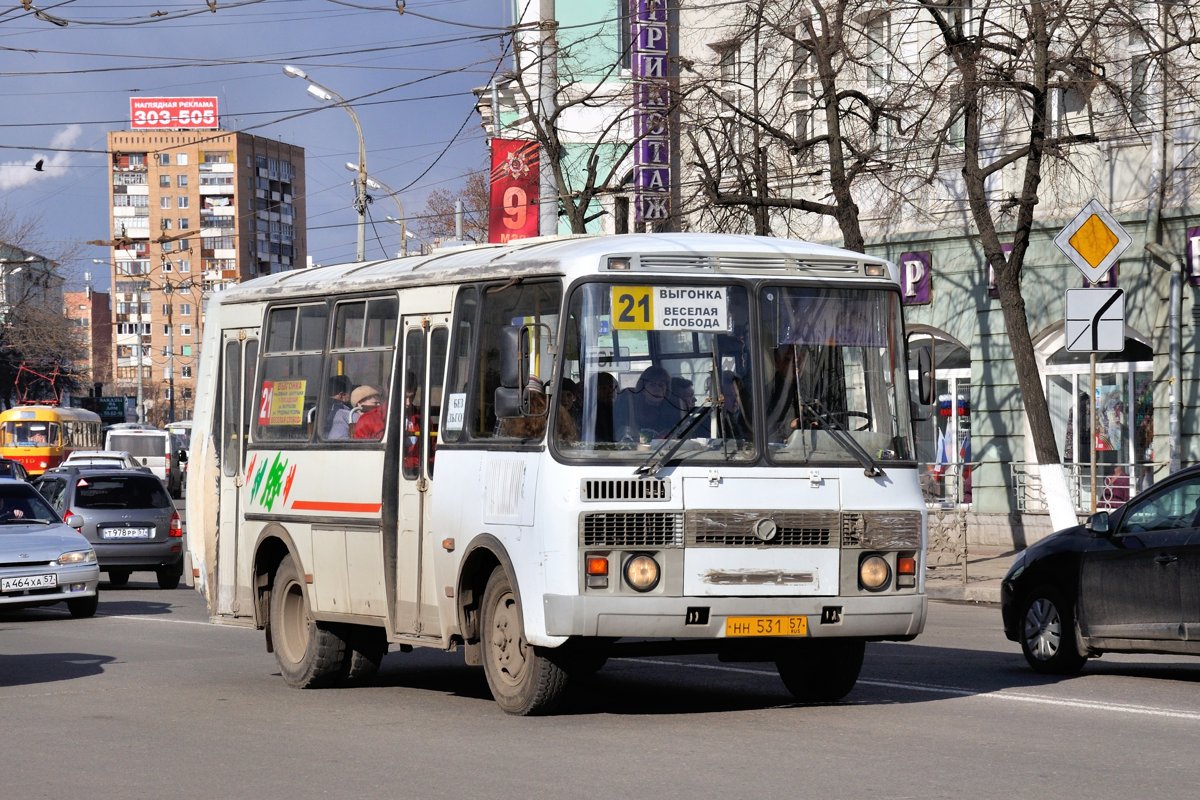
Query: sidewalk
x=986, y=568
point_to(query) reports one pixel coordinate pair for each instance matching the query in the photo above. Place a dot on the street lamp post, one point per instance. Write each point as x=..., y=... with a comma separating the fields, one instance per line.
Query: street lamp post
x=380, y=186
x=326, y=95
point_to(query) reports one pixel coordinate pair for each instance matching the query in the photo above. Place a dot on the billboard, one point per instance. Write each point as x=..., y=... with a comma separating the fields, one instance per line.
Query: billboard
x=172, y=113
x=513, y=206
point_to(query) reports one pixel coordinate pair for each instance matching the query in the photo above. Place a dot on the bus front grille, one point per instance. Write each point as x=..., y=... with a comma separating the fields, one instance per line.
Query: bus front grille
x=882, y=530
x=632, y=529
x=594, y=489
x=761, y=528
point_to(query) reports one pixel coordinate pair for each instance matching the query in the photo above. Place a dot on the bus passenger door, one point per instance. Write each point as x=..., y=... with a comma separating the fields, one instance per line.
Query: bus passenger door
x=425, y=340
x=239, y=354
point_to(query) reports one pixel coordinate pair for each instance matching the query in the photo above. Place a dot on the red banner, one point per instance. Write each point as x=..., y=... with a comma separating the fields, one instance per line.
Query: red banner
x=513, y=210
x=166, y=113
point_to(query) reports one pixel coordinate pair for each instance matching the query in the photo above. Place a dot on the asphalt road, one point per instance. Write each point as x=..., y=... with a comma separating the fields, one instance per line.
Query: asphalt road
x=150, y=700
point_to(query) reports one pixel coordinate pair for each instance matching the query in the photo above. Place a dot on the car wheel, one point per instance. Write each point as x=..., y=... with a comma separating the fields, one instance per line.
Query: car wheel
x=821, y=670
x=84, y=607
x=523, y=678
x=310, y=654
x=118, y=577
x=168, y=577
x=1048, y=633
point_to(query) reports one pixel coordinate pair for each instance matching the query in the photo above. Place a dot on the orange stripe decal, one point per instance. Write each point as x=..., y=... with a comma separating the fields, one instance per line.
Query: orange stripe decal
x=321, y=505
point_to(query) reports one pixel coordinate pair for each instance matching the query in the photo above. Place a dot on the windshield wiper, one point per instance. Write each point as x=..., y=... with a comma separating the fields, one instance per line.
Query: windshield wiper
x=23, y=521
x=843, y=437
x=654, y=462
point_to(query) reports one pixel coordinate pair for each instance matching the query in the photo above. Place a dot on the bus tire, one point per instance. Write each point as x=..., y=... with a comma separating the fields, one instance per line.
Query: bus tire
x=365, y=648
x=310, y=654
x=523, y=678
x=821, y=670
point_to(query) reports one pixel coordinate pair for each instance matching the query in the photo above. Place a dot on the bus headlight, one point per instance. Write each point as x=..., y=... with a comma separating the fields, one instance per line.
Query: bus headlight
x=874, y=573
x=641, y=573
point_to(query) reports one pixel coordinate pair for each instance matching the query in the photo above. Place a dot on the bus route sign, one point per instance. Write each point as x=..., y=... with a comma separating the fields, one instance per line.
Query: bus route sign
x=670, y=308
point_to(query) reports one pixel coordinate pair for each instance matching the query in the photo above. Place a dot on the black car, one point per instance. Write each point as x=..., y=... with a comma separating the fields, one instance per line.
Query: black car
x=127, y=516
x=10, y=468
x=1126, y=581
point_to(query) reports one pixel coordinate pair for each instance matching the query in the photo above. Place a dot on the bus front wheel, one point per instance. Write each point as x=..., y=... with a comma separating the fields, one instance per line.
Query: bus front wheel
x=523, y=678
x=821, y=670
x=310, y=655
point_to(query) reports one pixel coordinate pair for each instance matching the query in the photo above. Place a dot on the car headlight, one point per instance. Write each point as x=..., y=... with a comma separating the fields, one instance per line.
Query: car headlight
x=78, y=557
x=641, y=573
x=874, y=573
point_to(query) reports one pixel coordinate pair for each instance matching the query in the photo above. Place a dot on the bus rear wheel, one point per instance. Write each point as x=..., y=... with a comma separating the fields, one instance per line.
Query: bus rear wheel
x=523, y=678
x=821, y=670
x=310, y=654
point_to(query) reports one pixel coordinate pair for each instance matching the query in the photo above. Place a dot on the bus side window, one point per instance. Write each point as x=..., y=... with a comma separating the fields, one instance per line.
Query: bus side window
x=291, y=374
x=534, y=306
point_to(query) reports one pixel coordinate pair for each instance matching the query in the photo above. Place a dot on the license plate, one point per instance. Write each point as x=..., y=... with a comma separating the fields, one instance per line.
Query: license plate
x=28, y=582
x=125, y=533
x=766, y=626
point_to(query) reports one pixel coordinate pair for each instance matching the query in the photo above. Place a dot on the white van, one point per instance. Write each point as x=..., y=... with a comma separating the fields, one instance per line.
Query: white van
x=150, y=446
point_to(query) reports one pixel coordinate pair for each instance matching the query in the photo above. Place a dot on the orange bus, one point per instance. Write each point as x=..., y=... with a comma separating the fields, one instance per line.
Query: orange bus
x=40, y=437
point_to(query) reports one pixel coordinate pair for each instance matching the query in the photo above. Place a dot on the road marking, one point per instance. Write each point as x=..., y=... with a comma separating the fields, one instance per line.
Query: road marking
x=952, y=691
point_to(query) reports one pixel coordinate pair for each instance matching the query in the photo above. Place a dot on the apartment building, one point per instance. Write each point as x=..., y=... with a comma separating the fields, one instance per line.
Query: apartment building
x=192, y=211
x=90, y=316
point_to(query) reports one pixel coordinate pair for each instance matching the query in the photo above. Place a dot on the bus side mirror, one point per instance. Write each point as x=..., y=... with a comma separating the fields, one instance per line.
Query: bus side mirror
x=182, y=456
x=510, y=358
x=508, y=402
x=925, y=376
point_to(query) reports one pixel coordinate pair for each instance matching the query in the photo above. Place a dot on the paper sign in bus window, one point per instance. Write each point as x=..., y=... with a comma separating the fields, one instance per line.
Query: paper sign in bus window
x=282, y=403
x=670, y=308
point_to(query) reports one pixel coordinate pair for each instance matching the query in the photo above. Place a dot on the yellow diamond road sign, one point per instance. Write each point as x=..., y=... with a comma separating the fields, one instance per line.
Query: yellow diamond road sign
x=1093, y=241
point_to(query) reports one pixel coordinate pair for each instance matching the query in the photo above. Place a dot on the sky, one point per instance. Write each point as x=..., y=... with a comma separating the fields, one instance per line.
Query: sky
x=409, y=77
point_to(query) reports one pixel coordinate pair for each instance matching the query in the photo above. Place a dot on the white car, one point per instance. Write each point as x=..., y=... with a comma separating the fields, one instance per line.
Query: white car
x=109, y=459
x=42, y=559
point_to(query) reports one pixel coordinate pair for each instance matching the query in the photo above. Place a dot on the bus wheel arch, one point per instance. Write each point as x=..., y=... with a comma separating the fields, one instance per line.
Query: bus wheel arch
x=273, y=545
x=482, y=556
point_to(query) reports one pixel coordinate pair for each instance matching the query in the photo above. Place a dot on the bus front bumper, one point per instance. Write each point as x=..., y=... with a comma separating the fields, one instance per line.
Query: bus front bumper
x=871, y=617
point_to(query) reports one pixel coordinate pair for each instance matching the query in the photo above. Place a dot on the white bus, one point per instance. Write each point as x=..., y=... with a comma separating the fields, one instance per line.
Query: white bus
x=563, y=450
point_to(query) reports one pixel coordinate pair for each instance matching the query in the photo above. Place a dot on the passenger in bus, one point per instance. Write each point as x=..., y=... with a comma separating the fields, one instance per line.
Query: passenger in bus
x=369, y=413
x=337, y=418
x=683, y=394
x=604, y=389
x=645, y=412
x=571, y=403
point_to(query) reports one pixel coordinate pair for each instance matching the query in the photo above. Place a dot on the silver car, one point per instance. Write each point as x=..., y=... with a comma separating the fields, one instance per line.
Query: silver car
x=126, y=515
x=42, y=560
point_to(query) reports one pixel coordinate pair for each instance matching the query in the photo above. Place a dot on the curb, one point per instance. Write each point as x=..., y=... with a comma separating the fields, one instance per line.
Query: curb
x=964, y=594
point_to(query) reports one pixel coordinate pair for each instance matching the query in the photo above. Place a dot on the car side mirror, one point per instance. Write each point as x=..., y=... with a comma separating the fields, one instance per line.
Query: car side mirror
x=74, y=520
x=182, y=456
x=1098, y=522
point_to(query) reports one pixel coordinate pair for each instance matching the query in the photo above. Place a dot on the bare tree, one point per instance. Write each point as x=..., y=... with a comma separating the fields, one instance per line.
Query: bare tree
x=808, y=112
x=586, y=133
x=1018, y=72
x=437, y=220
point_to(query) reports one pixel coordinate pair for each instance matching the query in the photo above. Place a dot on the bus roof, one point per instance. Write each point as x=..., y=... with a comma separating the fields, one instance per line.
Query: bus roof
x=573, y=256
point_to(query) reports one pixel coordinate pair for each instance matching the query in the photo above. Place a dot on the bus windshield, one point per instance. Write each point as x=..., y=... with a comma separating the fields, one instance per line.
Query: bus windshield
x=682, y=373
